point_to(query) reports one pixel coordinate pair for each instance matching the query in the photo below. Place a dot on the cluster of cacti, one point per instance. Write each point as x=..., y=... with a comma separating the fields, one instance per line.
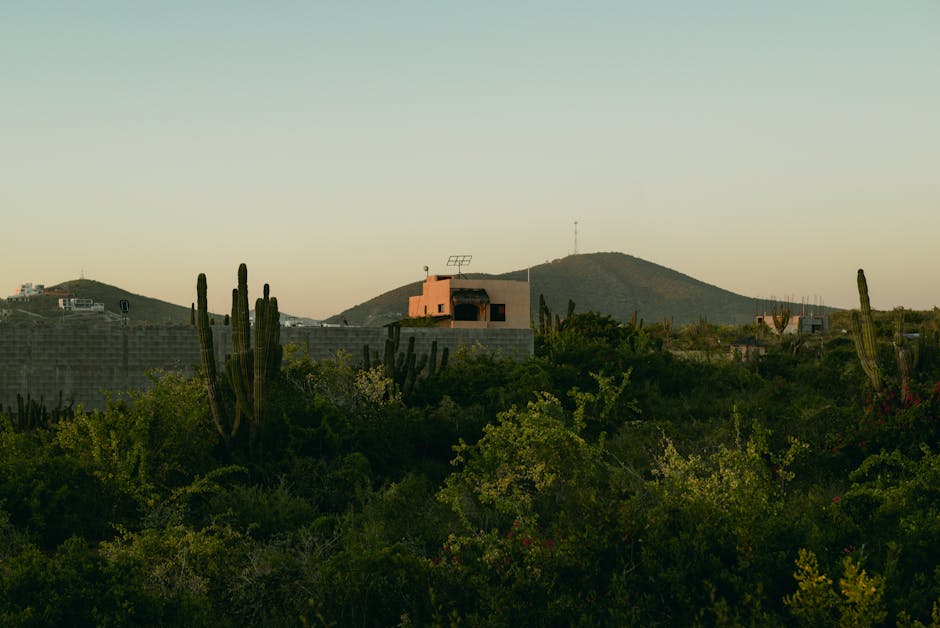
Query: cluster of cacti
x=403, y=369
x=251, y=367
x=549, y=322
x=31, y=414
x=863, y=330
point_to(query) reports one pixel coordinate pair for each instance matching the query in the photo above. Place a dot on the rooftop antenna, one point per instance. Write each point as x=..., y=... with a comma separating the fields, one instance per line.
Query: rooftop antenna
x=459, y=261
x=575, y=237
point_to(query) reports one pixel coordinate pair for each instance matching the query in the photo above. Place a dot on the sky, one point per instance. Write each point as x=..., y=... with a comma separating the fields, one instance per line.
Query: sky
x=337, y=148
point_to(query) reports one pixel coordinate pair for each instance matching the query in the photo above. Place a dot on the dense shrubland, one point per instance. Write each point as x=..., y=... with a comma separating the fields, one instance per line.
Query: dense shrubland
x=626, y=474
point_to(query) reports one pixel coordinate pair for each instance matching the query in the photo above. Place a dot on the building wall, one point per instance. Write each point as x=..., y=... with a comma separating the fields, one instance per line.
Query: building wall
x=436, y=291
x=84, y=361
x=514, y=294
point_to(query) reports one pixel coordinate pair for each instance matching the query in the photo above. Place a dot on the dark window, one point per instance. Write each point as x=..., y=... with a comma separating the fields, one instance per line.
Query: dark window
x=466, y=312
x=498, y=312
x=440, y=308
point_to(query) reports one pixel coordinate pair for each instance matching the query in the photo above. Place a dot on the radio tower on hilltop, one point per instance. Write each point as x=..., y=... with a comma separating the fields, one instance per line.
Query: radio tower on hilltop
x=575, y=237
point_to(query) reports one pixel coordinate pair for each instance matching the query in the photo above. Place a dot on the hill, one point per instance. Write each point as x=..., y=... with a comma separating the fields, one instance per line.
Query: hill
x=142, y=309
x=610, y=283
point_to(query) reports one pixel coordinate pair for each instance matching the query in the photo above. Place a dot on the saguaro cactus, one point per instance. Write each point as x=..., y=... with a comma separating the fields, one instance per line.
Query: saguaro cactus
x=863, y=332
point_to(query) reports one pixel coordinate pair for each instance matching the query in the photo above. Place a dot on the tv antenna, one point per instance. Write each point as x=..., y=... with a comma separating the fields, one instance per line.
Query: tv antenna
x=459, y=261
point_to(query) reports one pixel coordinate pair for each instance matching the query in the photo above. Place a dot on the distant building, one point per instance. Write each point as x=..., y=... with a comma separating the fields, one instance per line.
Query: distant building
x=73, y=304
x=472, y=303
x=748, y=349
x=799, y=324
x=27, y=290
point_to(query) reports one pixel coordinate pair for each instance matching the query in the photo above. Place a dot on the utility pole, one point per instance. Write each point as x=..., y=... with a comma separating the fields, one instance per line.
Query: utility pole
x=575, y=237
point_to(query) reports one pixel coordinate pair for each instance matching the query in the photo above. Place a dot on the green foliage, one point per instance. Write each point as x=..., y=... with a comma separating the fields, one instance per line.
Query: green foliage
x=538, y=505
x=608, y=480
x=75, y=587
x=858, y=603
x=157, y=441
x=713, y=531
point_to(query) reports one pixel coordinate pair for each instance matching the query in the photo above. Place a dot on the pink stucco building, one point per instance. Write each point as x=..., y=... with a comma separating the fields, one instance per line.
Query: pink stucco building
x=473, y=303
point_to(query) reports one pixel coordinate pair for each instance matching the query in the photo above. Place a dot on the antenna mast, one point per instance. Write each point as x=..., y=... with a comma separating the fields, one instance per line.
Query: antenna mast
x=575, y=237
x=459, y=261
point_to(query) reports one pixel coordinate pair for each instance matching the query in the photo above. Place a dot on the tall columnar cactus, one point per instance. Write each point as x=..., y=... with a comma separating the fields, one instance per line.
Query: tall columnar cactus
x=863, y=331
x=267, y=361
x=239, y=366
x=227, y=430
x=432, y=361
x=545, y=316
x=904, y=356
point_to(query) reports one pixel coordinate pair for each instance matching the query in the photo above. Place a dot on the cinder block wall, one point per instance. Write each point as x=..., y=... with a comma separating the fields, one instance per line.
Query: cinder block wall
x=85, y=361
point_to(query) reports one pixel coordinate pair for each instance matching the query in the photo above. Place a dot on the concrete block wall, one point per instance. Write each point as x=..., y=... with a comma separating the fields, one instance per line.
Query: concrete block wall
x=85, y=360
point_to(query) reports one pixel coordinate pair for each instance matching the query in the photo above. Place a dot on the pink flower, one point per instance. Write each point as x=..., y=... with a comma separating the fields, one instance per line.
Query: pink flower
x=526, y=541
x=836, y=499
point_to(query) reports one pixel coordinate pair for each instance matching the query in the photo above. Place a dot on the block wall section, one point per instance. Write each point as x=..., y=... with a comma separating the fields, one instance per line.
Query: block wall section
x=84, y=362
x=326, y=342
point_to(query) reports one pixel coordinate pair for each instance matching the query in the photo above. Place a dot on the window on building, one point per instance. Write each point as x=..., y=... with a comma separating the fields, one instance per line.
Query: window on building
x=498, y=312
x=440, y=308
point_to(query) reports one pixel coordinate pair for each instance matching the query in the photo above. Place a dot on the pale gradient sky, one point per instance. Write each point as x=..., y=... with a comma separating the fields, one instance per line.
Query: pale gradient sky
x=337, y=148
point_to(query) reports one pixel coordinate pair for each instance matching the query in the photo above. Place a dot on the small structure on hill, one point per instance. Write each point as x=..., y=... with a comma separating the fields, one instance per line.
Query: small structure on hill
x=748, y=349
x=472, y=303
x=73, y=304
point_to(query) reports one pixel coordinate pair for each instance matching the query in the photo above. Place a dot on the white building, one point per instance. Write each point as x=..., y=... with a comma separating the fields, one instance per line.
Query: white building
x=80, y=305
